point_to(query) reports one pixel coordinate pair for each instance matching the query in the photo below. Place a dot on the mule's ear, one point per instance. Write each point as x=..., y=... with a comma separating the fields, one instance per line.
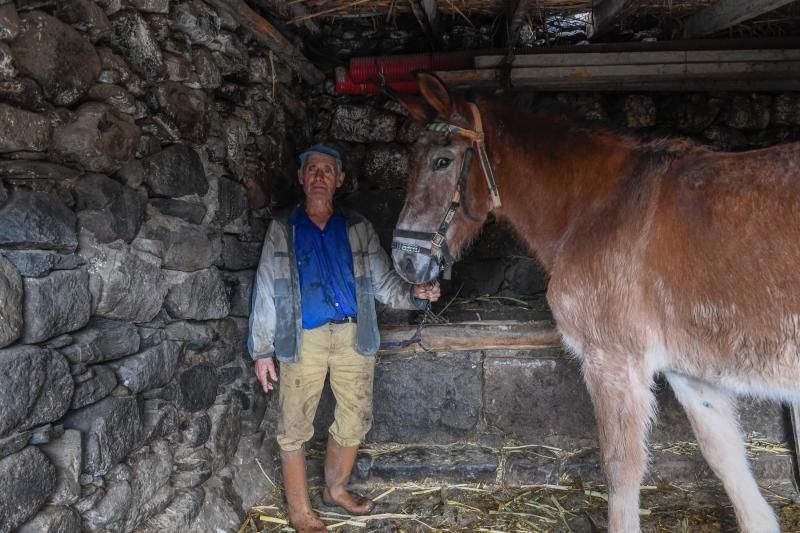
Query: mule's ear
x=418, y=108
x=435, y=93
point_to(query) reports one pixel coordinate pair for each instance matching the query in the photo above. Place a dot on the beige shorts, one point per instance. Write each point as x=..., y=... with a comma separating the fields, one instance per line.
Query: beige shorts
x=328, y=348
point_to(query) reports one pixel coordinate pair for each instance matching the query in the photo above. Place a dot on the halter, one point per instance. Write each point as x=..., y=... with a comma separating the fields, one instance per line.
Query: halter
x=438, y=239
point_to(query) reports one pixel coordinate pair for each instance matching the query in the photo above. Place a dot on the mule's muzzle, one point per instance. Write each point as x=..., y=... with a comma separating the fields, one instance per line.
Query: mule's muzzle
x=416, y=268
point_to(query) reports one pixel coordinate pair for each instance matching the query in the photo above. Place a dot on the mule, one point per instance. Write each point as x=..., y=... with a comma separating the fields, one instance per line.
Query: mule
x=663, y=258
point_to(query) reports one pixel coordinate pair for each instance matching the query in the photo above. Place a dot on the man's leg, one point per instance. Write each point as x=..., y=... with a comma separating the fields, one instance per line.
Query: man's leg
x=351, y=376
x=299, y=392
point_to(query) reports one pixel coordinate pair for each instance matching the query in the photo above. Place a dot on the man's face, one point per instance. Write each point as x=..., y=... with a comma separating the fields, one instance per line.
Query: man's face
x=320, y=177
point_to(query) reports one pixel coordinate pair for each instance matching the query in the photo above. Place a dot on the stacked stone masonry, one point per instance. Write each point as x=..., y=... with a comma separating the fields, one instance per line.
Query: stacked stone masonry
x=143, y=147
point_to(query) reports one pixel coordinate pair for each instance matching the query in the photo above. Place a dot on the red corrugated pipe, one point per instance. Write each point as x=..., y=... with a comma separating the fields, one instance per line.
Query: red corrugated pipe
x=346, y=85
x=366, y=73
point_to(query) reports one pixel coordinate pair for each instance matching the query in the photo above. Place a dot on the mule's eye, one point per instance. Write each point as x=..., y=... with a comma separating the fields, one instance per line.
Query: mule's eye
x=441, y=163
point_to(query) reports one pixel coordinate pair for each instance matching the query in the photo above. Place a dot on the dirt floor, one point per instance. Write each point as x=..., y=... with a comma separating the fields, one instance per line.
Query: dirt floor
x=464, y=507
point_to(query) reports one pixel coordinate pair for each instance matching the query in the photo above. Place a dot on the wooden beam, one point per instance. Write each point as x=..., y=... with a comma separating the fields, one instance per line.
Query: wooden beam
x=265, y=33
x=604, y=15
x=515, y=22
x=727, y=13
x=466, y=336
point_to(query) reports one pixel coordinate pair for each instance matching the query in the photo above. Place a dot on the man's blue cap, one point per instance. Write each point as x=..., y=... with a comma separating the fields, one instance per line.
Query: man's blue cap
x=322, y=149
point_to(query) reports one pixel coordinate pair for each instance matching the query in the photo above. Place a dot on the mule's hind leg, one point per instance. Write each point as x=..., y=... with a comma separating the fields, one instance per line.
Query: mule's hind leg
x=623, y=400
x=712, y=413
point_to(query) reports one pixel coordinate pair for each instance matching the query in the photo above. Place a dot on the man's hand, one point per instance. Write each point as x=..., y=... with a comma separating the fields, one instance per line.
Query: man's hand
x=428, y=291
x=265, y=370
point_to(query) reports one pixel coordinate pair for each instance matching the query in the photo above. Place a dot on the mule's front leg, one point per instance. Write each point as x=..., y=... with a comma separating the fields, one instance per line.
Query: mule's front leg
x=621, y=391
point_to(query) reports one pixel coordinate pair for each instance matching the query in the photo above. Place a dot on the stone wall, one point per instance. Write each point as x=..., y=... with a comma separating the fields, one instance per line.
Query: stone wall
x=141, y=145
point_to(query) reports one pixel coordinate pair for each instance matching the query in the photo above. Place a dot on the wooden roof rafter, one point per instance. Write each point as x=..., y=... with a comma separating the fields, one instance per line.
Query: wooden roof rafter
x=727, y=13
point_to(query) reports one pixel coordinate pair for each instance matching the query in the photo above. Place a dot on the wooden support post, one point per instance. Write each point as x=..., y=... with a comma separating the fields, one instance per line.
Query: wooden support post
x=266, y=33
x=515, y=21
x=726, y=13
x=424, y=23
x=605, y=14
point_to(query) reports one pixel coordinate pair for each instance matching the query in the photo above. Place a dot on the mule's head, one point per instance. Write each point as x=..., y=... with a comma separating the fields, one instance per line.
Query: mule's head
x=448, y=196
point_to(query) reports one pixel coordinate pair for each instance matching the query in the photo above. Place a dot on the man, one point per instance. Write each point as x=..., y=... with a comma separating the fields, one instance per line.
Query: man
x=320, y=271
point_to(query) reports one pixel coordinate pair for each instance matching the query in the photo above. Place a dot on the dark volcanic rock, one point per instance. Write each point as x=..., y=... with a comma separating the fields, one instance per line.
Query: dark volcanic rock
x=225, y=432
x=517, y=384
x=22, y=374
x=239, y=287
x=99, y=138
x=58, y=303
x=239, y=255
x=11, y=293
x=26, y=479
x=125, y=283
x=54, y=395
x=188, y=211
x=174, y=172
x=53, y=519
x=426, y=398
x=65, y=454
x=55, y=55
x=181, y=511
x=192, y=467
x=31, y=263
x=111, y=428
x=199, y=387
x=232, y=201
x=134, y=40
x=363, y=124
x=186, y=107
x=22, y=130
x=458, y=463
x=102, y=340
x=196, y=295
x=186, y=247
x=95, y=388
x=150, y=369
x=108, y=210
x=37, y=220
x=33, y=170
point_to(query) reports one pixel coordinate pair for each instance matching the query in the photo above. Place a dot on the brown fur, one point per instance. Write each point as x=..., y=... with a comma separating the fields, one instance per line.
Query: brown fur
x=663, y=258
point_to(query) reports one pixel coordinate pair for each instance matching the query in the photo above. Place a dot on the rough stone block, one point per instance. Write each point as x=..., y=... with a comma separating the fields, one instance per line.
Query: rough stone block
x=54, y=395
x=225, y=432
x=102, y=340
x=56, y=304
x=39, y=51
x=7, y=69
x=461, y=463
x=196, y=295
x=36, y=170
x=98, y=138
x=537, y=397
x=160, y=418
x=111, y=430
x=14, y=443
x=198, y=387
x=125, y=283
x=22, y=130
x=52, y=519
x=111, y=507
x=175, y=171
x=186, y=247
x=150, y=369
x=26, y=480
x=95, y=388
x=192, y=467
x=426, y=397
x=134, y=40
x=11, y=292
x=532, y=466
x=363, y=124
x=239, y=287
x=9, y=22
x=239, y=255
x=31, y=263
x=86, y=16
x=65, y=454
x=37, y=220
x=186, y=107
x=188, y=211
x=182, y=510
x=108, y=210
x=22, y=373
x=195, y=19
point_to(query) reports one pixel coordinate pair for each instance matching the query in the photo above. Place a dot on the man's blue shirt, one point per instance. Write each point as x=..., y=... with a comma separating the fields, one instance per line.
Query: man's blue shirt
x=325, y=266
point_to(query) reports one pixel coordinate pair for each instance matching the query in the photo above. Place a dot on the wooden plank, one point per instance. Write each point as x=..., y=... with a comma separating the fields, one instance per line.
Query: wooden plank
x=604, y=15
x=639, y=58
x=265, y=33
x=489, y=78
x=727, y=13
x=486, y=335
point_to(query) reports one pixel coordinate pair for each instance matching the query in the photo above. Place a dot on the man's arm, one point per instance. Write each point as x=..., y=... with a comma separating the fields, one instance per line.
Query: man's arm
x=262, y=314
